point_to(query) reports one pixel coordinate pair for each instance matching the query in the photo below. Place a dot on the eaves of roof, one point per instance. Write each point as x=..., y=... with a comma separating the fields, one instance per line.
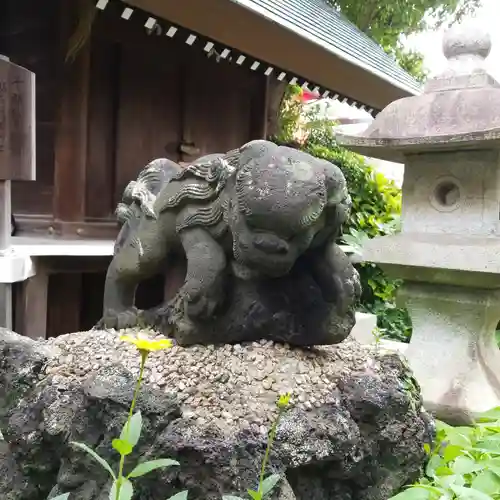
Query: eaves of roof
x=319, y=23
x=300, y=41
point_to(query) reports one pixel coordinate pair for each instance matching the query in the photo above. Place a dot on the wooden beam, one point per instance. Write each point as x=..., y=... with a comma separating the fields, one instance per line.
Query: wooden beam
x=72, y=125
x=42, y=225
x=77, y=265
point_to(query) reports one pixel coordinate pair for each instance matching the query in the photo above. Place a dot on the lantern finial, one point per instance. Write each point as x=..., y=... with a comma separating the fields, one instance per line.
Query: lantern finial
x=467, y=41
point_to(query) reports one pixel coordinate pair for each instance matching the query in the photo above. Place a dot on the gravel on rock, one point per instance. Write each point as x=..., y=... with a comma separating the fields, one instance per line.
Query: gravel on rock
x=233, y=382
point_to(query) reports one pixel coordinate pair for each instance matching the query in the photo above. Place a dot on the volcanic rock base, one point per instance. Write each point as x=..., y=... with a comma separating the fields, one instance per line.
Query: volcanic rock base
x=356, y=430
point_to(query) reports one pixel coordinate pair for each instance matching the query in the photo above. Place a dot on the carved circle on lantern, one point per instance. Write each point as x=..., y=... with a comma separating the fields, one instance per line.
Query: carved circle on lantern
x=446, y=194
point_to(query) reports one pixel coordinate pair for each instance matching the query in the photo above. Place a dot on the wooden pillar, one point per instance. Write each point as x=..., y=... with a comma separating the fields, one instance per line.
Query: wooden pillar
x=72, y=126
x=71, y=144
x=5, y=230
x=258, y=117
x=275, y=94
x=31, y=304
x=17, y=156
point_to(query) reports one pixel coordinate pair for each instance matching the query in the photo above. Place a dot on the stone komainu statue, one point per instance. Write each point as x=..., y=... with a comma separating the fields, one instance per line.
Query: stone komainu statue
x=258, y=227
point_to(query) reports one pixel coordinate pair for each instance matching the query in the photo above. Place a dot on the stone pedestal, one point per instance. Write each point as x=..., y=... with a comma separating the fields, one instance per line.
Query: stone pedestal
x=448, y=252
x=452, y=351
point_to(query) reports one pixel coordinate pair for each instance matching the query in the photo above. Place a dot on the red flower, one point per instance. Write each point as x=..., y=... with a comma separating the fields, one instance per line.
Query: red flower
x=307, y=95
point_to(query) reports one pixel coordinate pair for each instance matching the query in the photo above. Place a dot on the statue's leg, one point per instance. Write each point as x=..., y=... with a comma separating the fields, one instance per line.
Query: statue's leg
x=206, y=266
x=139, y=258
x=336, y=276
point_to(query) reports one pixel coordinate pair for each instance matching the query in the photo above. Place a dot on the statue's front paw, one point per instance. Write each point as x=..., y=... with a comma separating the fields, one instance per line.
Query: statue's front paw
x=119, y=320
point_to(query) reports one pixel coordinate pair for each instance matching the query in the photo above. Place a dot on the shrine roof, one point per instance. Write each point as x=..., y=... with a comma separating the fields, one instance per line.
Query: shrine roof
x=300, y=41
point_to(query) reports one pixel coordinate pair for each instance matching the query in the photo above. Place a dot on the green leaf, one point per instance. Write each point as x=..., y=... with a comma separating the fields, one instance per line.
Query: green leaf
x=123, y=447
x=443, y=470
x=181, y=496
x=147, y=467
x=126, y=490
x=491, y=464
x=413, y=494
x=429, y=488
x=95, y=456
x=488, y=416
x=446, y=481
x=465, y=465
x=487, y=482
x=434, y=462
x=488, y=445
x=269, y=484
x=459, y=437
x=469, y=494
x=64, y=496
x=132, y=431
x=255, y=495
x=451, y=452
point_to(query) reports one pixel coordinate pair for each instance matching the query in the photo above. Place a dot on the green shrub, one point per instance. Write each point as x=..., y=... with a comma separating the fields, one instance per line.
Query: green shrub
x=464, y=463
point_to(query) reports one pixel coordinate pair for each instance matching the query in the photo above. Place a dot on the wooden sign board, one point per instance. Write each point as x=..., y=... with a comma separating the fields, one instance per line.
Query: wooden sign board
x=17, y=122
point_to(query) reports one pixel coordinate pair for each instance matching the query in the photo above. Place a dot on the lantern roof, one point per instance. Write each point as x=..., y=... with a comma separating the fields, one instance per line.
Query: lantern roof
x=459, y=108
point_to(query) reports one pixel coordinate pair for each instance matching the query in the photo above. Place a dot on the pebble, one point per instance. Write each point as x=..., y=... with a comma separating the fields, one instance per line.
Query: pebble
x=237, y=383
x=267, y=383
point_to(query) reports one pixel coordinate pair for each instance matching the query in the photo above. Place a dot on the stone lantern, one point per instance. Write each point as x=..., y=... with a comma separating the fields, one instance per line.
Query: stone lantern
x=448, y=252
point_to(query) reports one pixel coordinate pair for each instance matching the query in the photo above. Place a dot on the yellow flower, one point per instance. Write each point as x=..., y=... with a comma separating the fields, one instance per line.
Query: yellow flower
x=145, y=345
x=283, y=401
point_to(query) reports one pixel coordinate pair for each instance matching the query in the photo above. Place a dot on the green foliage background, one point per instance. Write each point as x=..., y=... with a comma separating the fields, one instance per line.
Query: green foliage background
x=389, y=21
x=463, y=464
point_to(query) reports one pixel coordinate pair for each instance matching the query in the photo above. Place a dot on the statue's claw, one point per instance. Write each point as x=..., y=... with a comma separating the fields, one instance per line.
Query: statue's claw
x=201, y=307
x=347, y=292
x=119, y=320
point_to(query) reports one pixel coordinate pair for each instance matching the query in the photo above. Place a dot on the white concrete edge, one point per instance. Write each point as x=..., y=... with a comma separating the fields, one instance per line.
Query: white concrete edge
x=48, y=247
x=394, y=345
x=364, y=327
x=19, y=263
x=363, y=332
x=15, y=268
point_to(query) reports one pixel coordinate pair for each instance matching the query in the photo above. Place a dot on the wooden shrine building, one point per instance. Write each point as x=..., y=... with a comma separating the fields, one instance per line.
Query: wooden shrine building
x=118, y=84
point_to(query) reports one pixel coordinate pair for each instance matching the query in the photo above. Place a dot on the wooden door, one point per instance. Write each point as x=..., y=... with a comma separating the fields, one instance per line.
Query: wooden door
x=218, y=99
x=149, y=116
